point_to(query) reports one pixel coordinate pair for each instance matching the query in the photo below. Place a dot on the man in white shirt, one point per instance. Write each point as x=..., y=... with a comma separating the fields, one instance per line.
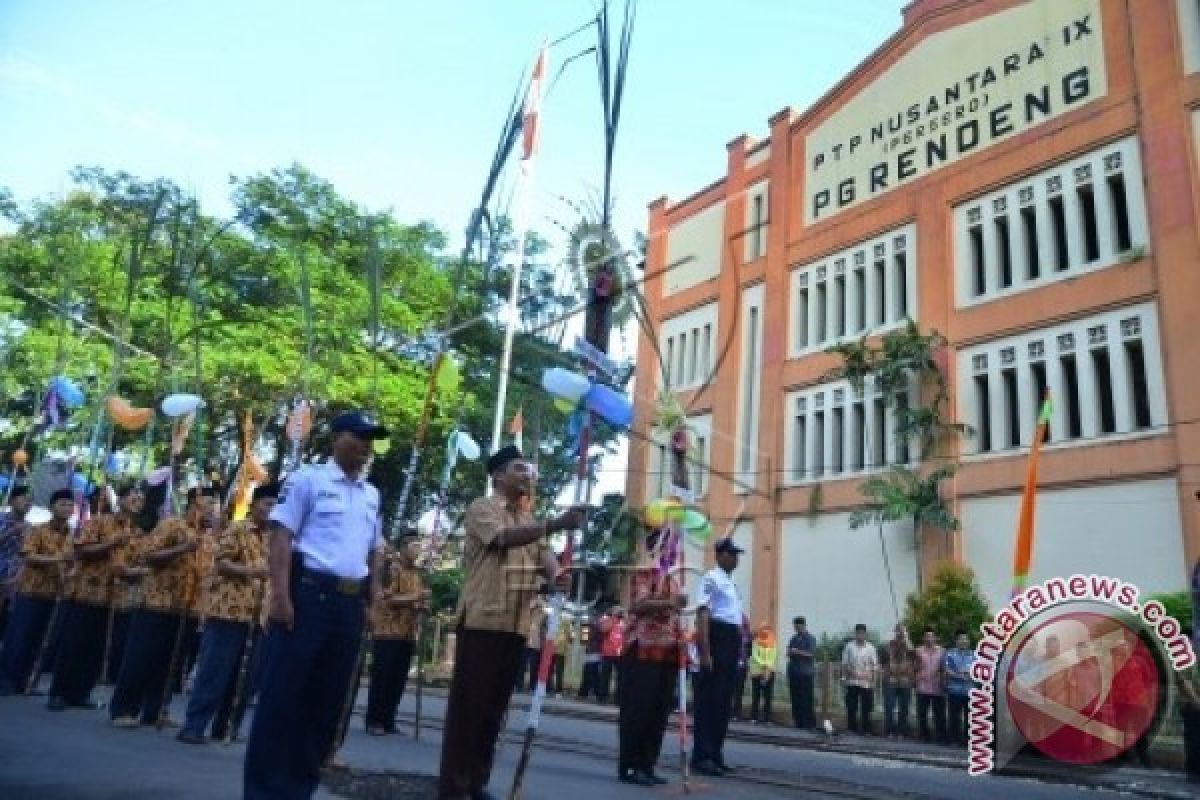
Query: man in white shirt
x=325, y=559
x=860, y=666
x=719, y=619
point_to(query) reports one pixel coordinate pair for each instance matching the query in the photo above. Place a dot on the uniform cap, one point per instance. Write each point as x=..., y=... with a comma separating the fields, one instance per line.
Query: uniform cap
x=502, y=458
x=726, y=545
x=360, y=424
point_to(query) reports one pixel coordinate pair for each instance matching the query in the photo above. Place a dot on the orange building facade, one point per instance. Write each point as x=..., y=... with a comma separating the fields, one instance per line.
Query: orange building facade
x=1017, y=175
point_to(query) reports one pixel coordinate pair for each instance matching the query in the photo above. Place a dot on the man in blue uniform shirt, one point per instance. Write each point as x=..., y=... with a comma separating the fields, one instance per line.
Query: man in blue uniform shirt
x=324, y=557
x=720, y=616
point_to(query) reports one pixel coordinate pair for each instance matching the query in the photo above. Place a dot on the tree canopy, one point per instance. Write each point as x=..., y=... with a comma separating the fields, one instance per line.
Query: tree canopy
x=302, y=292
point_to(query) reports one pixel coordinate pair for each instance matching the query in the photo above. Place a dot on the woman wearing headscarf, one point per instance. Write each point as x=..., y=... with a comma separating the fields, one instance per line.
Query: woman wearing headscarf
x=763, y=653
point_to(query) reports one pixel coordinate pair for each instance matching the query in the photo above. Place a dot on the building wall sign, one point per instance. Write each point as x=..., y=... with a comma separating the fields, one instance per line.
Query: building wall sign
x=953, y=95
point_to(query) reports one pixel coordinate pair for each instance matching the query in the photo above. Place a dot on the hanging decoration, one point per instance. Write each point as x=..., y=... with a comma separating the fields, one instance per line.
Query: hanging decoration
x=177, y=405
x=68, y=392
x=127, y=416
x=179, y=432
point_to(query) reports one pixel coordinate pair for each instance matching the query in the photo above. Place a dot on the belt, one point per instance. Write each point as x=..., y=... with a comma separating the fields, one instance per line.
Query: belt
x=323, y=580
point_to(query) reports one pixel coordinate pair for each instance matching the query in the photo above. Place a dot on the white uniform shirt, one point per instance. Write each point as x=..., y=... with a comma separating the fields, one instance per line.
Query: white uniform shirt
x=720, y=595
x=334, y=519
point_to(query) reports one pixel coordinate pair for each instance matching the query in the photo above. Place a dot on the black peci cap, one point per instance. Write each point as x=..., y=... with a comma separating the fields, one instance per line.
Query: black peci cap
x=502, y=458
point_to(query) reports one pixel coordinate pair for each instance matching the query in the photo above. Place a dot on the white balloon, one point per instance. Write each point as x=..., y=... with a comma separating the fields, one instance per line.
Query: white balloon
x=38, y=516
x=159, y=476
x=176, y=405
x=434, y=518
x=564, y=383
x=468, y=448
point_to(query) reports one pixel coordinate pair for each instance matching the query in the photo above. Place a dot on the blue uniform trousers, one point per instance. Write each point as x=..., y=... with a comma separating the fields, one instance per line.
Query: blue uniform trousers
x=22, y=639
x=305, y=675
x=714, y=693
x=216, y=671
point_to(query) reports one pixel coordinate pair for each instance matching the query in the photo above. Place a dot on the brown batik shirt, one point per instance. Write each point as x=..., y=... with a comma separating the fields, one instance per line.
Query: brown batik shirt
x=94, y=582
x=498, y=582
x=42, y=581
x=169, y=587
x=236, y=599
x=398, y=623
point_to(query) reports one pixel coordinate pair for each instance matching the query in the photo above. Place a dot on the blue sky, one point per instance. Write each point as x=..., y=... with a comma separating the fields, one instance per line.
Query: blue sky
x=399, y=103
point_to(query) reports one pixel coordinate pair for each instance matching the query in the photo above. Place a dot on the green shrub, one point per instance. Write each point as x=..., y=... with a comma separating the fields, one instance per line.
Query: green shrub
x=951, y=601
x=1178, y=605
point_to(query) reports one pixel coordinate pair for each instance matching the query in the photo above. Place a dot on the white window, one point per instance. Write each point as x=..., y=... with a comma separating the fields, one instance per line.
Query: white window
x=749, y=378
x=1189, y=33
x=687, y=347
x=835, y=432
x=1086, y=214
x=868, y=288
x=756, y=221
x=1103, y=373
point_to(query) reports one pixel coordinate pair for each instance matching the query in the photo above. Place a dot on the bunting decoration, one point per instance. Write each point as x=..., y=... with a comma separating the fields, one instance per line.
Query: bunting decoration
x=1023, y=555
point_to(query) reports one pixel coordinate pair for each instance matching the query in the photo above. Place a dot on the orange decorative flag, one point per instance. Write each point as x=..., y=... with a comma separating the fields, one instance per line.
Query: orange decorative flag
x=1023, y=554
x=517, y=429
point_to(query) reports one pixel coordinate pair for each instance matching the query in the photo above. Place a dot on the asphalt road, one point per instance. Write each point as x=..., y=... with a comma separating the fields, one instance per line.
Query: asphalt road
x=77, y=756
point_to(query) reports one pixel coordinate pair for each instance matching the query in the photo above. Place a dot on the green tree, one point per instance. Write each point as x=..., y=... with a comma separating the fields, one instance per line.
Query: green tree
x=951, y=602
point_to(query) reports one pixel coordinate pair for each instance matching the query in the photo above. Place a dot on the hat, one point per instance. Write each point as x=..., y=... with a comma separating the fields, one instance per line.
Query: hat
x=502, y=458
x=18, y=491
x=726, y=545
x=197, y=492
x=267, y=490
x=360, y=424
x=61, y=494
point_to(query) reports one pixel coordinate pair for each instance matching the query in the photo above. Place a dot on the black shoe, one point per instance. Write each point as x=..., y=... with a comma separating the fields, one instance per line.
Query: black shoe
x=710, y=768
x=726, y=769
x=656, y=779
x=56, y=704
x=190, y=738
x=86, y=705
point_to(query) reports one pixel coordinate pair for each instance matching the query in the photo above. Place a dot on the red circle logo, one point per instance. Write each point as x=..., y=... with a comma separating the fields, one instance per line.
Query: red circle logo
x=1083, y=688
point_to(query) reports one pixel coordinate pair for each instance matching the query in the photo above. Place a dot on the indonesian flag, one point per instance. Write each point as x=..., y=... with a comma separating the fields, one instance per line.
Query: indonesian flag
x=533, y=108
x=517, y=429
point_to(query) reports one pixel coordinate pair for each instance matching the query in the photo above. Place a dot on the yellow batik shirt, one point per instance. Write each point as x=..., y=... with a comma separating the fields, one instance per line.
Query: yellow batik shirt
x=171, y=586
x=498, y=582
x=398, y=623
x=232, y=598
x=128, y=594
x=42, y=581
x=94, y=582
x=204, y=572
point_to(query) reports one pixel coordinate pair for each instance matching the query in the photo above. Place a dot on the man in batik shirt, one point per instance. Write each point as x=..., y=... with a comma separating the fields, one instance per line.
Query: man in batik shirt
x=88, y=615
x=394, y=636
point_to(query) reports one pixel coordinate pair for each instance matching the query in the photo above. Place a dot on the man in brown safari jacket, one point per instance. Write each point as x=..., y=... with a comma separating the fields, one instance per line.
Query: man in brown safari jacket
x=503, y=553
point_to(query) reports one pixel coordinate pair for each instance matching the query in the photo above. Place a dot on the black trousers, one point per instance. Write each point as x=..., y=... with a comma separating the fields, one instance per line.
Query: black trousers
x=27, y=628
x=390, y=662
x=936, y=702
x=1191, y=742
x=801, y=689
x=860, y=702
x=485, y=671
x=957, y=705
x=763, y=692
x=714, y=692
x=228, y=719
x=739, y=693
x=80, y=652
x=610, y=668
x=556, y=675
x=116, y=646
x=142, y=682
x=587, y=683
x=647, y=695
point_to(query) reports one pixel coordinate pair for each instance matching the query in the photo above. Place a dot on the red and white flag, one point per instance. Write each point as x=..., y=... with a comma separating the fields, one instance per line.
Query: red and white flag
x=533, y=108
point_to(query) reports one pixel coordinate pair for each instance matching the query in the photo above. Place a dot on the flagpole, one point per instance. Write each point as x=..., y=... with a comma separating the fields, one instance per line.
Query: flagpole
x=533, y=101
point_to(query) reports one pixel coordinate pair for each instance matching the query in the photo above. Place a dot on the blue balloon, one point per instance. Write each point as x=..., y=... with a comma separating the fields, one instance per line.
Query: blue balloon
x=80, y=483
x=112, y=464
x=69, y=394
x=4, y=481
x=610, y=405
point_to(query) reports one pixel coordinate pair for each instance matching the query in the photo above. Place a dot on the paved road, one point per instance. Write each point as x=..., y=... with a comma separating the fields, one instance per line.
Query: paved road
x=77, y=756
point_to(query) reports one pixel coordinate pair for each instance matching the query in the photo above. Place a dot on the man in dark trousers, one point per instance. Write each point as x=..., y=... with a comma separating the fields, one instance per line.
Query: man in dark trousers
x=394, y=635
x=325, y=560
x=39, y=587
x=800, y=671
x=14, y=527
x=719, y=619
x=503, y=553
x=87, y=616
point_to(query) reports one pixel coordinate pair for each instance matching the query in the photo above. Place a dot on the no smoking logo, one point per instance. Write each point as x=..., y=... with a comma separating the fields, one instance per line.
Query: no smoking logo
x=1083, y=688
